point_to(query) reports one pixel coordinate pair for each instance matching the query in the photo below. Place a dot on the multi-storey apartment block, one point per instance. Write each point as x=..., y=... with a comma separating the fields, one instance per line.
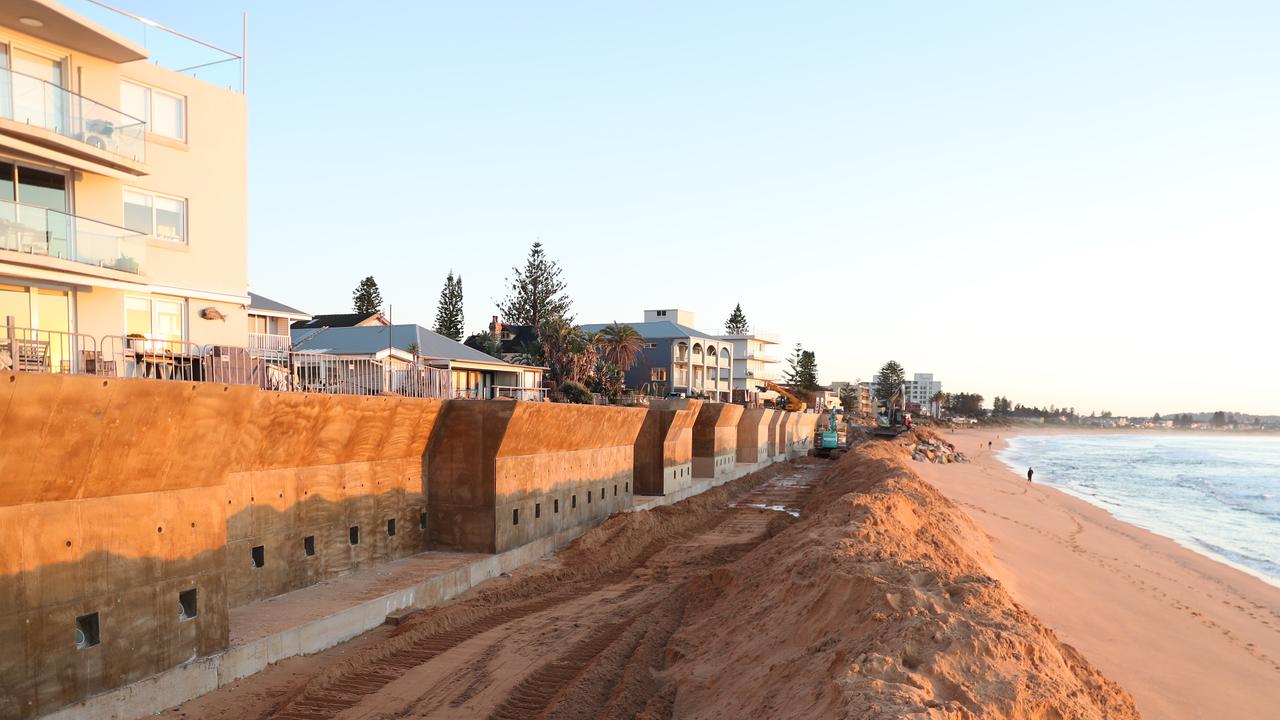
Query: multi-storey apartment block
x=122, y=191
x=752, y=366
x=679, y=360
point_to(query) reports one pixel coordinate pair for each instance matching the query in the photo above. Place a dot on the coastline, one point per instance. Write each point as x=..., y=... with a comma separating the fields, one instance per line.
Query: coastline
x=1187, y=635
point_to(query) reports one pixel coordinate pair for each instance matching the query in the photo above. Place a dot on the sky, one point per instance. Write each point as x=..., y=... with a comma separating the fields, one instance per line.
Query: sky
x=1074, y=204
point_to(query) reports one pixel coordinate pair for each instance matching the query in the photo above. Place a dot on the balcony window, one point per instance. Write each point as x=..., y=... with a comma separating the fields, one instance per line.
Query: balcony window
x=159, y=216
x=154, y=318
x=164, y=113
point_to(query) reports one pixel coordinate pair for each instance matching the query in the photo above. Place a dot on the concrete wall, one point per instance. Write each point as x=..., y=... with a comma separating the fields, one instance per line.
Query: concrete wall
x=753, y=435
x=111, y=502
x=316, y=467
x=800, y=429
x=504, y=473
x=715, y=440
x=778, y=434
x=664, y=447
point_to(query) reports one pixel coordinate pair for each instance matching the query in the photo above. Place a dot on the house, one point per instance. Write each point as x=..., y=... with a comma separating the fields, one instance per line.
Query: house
x=365, y=319
x=269, y=326
x=752, y=365
x=122, y=188
x=677, y=359
x=516, y=340
x=472, y=374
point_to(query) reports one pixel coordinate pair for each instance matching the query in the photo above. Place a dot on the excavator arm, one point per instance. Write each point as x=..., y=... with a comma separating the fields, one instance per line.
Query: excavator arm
x=794, y=403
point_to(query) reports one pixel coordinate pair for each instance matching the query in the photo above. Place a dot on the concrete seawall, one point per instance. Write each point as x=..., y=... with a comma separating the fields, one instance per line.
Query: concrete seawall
x=123, y=500
x=753, y=435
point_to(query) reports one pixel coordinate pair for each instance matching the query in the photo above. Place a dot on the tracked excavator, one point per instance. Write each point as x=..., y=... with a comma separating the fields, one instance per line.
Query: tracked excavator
x=829, y=441
x=794, y=403
x=894, y=420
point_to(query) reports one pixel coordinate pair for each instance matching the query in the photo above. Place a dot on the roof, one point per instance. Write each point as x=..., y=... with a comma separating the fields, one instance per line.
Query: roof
x=266, y=304
x=373, y=339
x=656, y=330
x=334, y=321
x=60, y=26
x=522, y=336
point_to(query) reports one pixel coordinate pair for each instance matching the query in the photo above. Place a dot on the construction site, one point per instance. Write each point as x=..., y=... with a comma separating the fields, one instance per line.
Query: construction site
x=219, y=551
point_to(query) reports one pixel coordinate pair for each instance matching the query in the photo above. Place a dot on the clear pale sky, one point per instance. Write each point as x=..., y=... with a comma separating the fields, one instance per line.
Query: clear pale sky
x=1075, y=205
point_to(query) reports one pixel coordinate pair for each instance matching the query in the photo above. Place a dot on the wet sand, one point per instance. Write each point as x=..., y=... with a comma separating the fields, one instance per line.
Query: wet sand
x=1188, y=636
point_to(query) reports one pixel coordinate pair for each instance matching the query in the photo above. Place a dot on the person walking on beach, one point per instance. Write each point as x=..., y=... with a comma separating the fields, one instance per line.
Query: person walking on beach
x=1030, y=472
x=988, y=444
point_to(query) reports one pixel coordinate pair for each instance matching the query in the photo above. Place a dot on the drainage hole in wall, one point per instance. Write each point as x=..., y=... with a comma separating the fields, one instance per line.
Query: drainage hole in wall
x=391, y=527
x=422, y=520
x=555, y=505
x=309, y=545
x=159, y=529
x=615, y=491
x=68, y=543
x=87, y=631
x=537, y=510
x=187, y=604
x=574, y=502
x=259, y=555
x=588, y=497
x=353, y=535
x=515, y=516
x=626, y=487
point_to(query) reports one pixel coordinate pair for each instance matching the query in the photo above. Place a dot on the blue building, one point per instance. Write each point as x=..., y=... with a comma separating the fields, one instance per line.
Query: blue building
x=677, y=359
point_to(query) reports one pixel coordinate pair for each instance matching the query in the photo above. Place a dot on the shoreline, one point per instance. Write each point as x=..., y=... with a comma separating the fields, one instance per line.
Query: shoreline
x=1203, y=552
x=1188, y=635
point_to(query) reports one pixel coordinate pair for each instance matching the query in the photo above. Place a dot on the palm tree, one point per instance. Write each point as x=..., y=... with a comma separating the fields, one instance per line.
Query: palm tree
x=621, y=345
x=938, y=398
x=570, y=353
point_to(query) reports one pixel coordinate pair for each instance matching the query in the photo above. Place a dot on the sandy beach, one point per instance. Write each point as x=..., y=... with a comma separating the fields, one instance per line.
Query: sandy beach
x=1189, y=637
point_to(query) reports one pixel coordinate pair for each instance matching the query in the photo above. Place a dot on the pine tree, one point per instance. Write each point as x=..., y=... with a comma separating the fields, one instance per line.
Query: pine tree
x=737, y=322
x=808, y=375
x=367, y=298
x=536, y=292
x=889, y=381
x=792, y=376
x=449, y=317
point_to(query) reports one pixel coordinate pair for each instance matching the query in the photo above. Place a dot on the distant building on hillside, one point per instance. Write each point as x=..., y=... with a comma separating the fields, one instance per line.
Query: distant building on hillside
x=677, y=359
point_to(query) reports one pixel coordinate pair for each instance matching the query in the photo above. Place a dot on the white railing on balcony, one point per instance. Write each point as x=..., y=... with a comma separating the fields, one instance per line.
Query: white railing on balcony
x=511, y=392
x=39, y=103
x=41, y=231
x=268, y=345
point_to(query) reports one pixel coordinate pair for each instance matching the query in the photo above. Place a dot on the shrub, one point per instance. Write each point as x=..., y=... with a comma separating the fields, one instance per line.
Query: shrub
x=575, y=393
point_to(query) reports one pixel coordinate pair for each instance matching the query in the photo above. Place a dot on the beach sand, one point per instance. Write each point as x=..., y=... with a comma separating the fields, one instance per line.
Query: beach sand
x=1189, y=637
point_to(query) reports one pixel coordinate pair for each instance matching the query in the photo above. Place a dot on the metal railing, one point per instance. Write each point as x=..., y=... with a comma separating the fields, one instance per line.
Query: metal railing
x=511, y=392
x=50, y=351
x=41, y=231
x=40, y=103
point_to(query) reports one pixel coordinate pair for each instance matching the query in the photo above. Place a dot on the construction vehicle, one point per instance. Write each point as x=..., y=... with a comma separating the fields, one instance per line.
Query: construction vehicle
x=794, y=403
x=829, y=441
x=893, y=420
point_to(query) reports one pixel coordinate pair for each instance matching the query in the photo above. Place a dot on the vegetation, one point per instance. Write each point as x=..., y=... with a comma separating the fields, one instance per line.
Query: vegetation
x=802, y=370
x=486, y=342
x=737, y=323
x=576, y=392
x=889, y=381
x=536, y=293
x=449, y=317
x=849, y=398
x=570, y=353
x=367, y=298
x=966, y=404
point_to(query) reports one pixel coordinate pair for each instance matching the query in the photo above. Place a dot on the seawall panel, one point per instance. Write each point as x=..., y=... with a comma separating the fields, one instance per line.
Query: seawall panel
x=715, y=439
x=664, y=447
x=753, y=435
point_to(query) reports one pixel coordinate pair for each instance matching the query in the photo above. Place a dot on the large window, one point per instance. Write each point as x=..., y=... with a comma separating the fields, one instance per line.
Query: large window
x=164, y=113
x=159, y=216
x=154, y=318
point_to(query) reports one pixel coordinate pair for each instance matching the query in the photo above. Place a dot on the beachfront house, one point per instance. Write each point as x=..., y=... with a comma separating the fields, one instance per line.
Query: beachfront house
x=677, y=359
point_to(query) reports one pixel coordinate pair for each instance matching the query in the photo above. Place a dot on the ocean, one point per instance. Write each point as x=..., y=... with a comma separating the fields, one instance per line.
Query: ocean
x=1218, y=496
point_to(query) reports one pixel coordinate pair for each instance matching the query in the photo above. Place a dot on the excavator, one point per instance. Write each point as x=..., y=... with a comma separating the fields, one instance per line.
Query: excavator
x=794, y=403
x=828, y=438
x=895, y=419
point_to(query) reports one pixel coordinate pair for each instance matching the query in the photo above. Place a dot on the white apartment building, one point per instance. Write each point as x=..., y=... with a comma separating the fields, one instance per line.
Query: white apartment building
x=753, y=364
x=920, y=390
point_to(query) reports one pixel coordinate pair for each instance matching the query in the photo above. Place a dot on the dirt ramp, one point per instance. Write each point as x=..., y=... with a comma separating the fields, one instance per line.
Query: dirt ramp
x=874, y=605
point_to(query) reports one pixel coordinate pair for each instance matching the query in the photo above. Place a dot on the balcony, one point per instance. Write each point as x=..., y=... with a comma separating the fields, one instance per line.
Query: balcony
x=39, y=231
x=266, y=345
x=52, y=116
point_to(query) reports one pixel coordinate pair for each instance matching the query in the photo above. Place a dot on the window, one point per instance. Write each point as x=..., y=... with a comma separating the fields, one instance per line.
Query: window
x=658, y=374
x=651, y=346
x=164, y=113
x=159, y=216
x=154, y=318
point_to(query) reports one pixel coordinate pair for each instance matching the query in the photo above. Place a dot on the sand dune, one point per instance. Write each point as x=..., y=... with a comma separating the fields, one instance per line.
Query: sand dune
x=1187, y=636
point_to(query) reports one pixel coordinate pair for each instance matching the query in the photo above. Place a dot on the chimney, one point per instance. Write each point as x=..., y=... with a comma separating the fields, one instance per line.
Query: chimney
x=495, y=327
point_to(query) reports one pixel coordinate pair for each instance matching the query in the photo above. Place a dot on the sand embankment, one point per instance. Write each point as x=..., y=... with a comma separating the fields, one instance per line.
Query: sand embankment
x=875, y=604
x=1187, y=636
